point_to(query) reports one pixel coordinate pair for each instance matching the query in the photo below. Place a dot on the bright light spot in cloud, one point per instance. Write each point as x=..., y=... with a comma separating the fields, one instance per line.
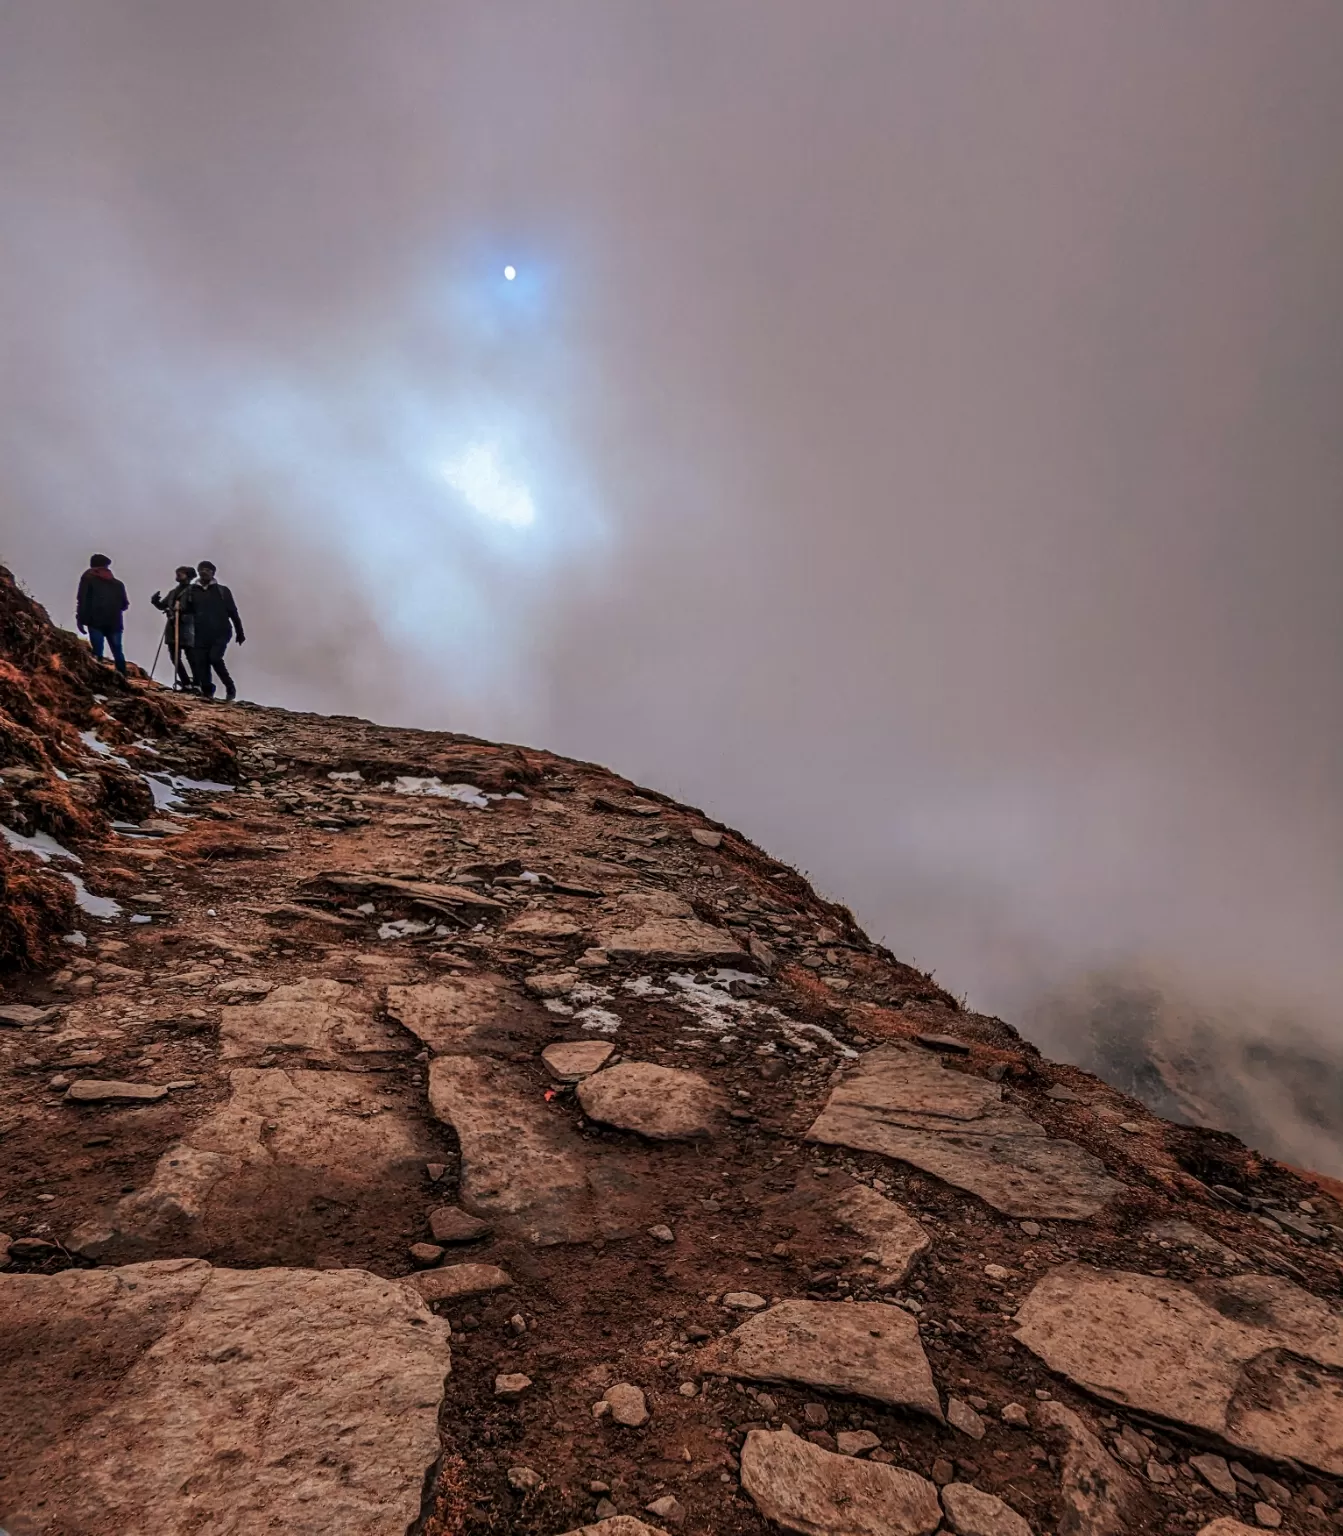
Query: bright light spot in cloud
x=510, y=273
x=489, y=489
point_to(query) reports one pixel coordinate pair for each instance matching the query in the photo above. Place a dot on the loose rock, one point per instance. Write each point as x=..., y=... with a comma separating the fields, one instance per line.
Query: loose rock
x=511, y=1384
x=963, y=1417
x=667, y=1508
x=525, y=1479
x=626, y=1404
x=744, y=1301
x=617, y=1525
x=1215, y=1472
x=570, y=1061
x=455, y=1282
x=853, y=1442
x=451, y=1224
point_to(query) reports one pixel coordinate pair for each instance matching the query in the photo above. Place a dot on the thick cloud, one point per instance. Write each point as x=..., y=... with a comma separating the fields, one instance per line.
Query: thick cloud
x=929, y=415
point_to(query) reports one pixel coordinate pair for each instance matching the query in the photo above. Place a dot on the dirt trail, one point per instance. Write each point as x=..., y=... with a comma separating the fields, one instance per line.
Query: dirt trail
x=370, y=1261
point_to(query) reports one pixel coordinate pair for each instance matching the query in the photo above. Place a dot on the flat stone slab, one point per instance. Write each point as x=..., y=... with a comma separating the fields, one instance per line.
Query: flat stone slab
x=804, y=1488
x=455, y=1282
x=972, y=1512
x=570, y=1061
x=884, y=1227
x=315, y=1017
x=173, y=1396
x=675, y=941
x=89, y=1090
x=901, y=1102
x=1252, y=1358
x=21, y=1015
x=281, y=1139
x=1096, y=1495
x=663, y=1103
x=544, y=923
x=464, y=1015
x=523, y=1166
x=864, y=1348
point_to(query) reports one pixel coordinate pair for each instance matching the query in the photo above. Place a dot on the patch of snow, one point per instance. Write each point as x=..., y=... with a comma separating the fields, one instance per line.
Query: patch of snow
x=96, y=906
x=530, y=876
x=367, y=908
x=514, y=795
x=720, y=1014
x=644, y=986
x=402, y=928
x=347, y=778
x=600, y=1021
x=554, y=1005
x=78, y=939
x=40, y=843
x=139, y=917
x=164, y=788
x=165, y=796
x=464, y=794
x=101, y=748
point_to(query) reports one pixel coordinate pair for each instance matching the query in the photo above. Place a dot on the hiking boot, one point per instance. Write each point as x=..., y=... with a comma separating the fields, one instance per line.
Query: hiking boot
x=231, y=695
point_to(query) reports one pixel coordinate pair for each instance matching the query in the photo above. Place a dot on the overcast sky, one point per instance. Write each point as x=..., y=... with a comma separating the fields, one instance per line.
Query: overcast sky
x=914, y=432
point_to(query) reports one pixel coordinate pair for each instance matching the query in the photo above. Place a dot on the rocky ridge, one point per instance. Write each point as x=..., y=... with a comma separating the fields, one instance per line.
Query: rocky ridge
x=402, y=1132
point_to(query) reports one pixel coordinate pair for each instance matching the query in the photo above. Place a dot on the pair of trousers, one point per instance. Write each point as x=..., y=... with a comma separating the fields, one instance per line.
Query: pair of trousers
x=203, y=658
x=180, y=656
x=112, y=639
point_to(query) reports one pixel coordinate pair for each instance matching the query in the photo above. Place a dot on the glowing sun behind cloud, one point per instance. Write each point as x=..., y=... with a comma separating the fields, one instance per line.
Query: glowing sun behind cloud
x=487, y=487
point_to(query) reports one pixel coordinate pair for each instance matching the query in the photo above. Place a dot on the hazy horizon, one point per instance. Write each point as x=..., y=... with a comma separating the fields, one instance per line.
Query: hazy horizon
x=913, y=433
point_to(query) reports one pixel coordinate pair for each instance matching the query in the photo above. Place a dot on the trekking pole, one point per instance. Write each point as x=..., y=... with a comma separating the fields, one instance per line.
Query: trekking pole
x=177, y=647
x=156, y=659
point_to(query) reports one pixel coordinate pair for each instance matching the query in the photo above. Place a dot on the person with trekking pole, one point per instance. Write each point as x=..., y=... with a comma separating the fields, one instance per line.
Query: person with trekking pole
x=214, y=622
x=99, y=606
x=177, y=630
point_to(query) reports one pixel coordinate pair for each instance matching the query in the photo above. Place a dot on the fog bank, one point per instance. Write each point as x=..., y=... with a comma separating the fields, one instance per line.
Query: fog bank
x=913, y=434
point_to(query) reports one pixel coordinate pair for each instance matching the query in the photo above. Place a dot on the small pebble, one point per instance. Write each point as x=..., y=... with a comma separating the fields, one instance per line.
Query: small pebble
x=511, y=1384
x=1015, y=1415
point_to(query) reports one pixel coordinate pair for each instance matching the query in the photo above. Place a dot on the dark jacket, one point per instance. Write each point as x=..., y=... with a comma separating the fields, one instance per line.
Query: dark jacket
x=101, y=601
x=175, y=599
x=214, y=614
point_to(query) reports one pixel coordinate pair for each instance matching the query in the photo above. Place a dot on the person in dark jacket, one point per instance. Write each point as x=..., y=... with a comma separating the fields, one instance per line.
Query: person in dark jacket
x=177, y=630
x=214, y=622
x=99, y=606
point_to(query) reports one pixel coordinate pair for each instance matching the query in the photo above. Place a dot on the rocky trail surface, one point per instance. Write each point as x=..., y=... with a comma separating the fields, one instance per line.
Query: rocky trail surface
x=404, y=1133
